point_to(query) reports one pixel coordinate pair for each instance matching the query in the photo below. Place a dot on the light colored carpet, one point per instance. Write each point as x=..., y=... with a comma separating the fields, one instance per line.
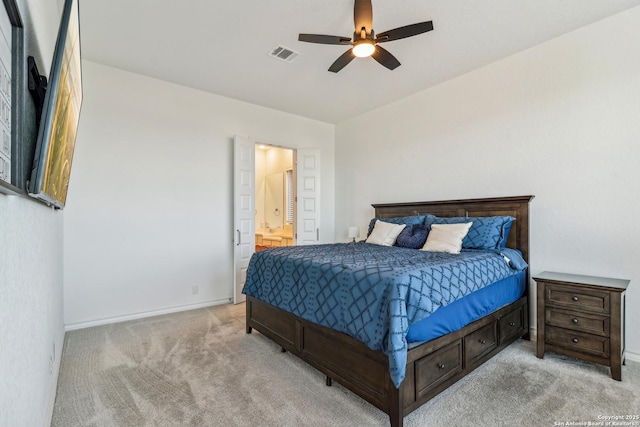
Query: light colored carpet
x=200, y=368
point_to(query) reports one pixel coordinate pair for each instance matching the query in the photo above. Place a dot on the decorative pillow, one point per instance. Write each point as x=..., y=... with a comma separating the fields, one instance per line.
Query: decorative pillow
x=406, y=220
x=413, y=236
x=487, y=232
x=446, y=237
x=385, y=233
x=506, y=228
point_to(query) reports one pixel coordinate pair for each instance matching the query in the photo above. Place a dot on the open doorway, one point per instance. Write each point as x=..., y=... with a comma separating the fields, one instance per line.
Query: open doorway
x=303, y=203
x=274, y=197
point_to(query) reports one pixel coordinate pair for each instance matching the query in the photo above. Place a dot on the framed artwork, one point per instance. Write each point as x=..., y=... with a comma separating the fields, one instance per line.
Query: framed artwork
x=60, y=114
x=12, y=100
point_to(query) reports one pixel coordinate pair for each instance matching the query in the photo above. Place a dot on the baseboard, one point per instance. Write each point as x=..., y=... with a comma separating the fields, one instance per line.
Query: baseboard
x=52, y=396
x=141, y=315
x=533, y=334
x=54, y=384
x=635, y=357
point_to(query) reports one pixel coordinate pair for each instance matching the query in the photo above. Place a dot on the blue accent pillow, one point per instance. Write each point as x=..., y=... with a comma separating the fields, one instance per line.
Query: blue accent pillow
x=413, y=236
x=505, y=234
x=406, y=220
x=486, y=232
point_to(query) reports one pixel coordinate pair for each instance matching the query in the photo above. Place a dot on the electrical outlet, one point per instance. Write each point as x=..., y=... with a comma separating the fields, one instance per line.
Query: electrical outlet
x=195, y=290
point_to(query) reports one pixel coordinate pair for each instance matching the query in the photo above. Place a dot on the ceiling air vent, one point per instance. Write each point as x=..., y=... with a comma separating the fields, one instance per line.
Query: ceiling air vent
x=284, y=54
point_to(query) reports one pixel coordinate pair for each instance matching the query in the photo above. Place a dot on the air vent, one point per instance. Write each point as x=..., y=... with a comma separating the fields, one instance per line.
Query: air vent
x=283, y=54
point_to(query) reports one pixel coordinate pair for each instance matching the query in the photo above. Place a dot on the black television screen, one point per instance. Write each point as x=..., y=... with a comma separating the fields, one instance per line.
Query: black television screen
x=60, y=114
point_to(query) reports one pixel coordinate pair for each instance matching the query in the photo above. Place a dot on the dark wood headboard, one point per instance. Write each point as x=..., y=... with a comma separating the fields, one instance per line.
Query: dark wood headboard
x=517, y=207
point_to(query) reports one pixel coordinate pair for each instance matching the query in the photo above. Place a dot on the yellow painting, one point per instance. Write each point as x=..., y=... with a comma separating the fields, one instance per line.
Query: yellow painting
x=61, y=118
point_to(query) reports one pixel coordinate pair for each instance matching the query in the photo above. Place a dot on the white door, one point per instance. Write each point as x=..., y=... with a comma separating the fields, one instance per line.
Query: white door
x=244, y=212
x=308, y=197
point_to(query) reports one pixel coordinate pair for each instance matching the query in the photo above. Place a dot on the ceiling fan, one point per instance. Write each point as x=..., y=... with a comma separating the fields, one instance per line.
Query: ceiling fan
x=365, y=42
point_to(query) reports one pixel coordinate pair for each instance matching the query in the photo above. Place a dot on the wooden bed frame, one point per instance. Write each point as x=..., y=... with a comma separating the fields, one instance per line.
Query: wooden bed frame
x=432, y=366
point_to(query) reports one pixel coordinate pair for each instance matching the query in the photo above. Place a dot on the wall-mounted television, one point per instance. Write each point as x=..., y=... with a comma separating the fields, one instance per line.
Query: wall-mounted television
x=60, y=114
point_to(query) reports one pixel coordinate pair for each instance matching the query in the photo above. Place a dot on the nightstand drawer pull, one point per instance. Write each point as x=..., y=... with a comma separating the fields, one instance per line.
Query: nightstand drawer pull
x=574, y=320
x=512, y=323
x=483, y=342
x=575, y=340
x=575, y=298
x=441, y=366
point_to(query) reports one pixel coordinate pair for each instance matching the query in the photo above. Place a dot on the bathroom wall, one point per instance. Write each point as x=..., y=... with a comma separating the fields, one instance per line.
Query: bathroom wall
x=270, y=161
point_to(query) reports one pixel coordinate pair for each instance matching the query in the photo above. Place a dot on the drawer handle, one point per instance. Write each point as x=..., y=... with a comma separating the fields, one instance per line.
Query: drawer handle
x=575, y=298
x=440, y=365
x=483, y=342
x=574, y=320
x=575, y=340
x=512, y=323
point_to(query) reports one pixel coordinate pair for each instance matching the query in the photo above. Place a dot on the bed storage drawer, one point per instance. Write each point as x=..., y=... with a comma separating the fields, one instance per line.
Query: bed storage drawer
x=480, y=342
x=514, y=324
x=438, y=367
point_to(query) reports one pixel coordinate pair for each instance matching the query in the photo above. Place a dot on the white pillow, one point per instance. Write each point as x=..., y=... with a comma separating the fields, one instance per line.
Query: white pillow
x=385, y=233
x=446, y=237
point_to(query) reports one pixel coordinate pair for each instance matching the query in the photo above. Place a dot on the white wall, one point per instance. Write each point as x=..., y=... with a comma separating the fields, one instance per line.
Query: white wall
x=150, y=206
x=31, y=325
x=560, y=121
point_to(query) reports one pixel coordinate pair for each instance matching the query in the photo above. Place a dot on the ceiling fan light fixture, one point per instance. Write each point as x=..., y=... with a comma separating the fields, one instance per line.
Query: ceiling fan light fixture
x=364, y=42
x=364, y=48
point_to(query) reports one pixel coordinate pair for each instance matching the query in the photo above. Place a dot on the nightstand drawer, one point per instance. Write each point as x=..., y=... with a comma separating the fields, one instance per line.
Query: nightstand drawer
x=578, y=341
x=579, y=299
x=588, y=323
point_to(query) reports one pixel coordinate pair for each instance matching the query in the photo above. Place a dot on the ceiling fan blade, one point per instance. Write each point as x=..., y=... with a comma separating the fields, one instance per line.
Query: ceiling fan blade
x=342, y=61
x=403, y=32
x=385, y=58
x=363, y=15
x=323, y=39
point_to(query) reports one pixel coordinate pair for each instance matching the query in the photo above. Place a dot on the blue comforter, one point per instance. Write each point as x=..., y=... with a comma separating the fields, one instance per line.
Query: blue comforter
x=370, y=292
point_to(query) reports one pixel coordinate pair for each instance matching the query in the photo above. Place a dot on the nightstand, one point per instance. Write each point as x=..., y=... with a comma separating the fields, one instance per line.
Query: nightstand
x=582, y=317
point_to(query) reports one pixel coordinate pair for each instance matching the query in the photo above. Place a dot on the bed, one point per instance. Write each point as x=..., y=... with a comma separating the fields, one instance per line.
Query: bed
x=427, y=367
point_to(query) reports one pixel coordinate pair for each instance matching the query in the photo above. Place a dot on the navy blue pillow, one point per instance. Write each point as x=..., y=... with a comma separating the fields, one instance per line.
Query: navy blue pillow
x=413, y=236
x=407, y=220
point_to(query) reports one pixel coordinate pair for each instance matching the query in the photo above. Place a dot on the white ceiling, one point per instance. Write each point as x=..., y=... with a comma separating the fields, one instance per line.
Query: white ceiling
x=222, y=46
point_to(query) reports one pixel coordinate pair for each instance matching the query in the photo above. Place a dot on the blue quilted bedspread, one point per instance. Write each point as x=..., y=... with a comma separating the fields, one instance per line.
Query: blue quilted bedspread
x=369, y=292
